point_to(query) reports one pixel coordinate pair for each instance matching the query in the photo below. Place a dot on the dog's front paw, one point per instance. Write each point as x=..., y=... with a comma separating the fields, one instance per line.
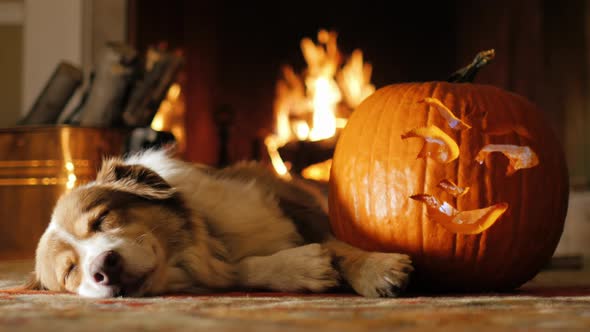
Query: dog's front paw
x=382, y=274
x=306, y=268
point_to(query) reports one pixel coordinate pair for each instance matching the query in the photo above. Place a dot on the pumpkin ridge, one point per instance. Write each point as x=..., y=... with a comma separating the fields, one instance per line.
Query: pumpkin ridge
x=479, y=241
x=369, y=233
x=391, y=225
x=349, y=231
x=502, y=267
x=517, y=217
x=480, y=245
x=371, y=175
x=424, y=220
x=442, y=92
x=409, y=91
x=463, y=246
x=459, y=140
x=388, y=163
x=505, y=266
x=524, y=214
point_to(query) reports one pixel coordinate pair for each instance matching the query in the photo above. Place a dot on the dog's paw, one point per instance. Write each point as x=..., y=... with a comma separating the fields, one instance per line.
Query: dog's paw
x=305, y=268
x=382, y=274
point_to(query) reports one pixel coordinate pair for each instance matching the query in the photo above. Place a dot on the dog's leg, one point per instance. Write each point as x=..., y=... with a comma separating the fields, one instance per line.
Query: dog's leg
x=371, y=274
x=174, y=279
x=305, y=268
x=203, y=267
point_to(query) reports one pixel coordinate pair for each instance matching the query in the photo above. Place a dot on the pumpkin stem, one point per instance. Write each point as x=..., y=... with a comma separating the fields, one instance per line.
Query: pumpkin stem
x=467, y=73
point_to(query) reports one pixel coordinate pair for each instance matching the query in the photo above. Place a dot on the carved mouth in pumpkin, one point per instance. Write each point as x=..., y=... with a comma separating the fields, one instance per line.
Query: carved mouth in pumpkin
x=453, y=189
x=461, y=222
x=440, y=147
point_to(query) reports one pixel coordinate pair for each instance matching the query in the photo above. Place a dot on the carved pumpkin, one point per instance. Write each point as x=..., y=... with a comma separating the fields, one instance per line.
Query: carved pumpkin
x=467, y=179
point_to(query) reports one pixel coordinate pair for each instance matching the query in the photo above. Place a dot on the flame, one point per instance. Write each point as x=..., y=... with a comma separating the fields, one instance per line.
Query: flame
x=325, y=98
x=306, y=106
x=355, y=79
x=301, y=129
x=322, y=61
x=170, y=116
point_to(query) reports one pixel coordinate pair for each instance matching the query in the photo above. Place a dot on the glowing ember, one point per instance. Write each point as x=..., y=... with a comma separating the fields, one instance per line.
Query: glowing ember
x=307, y=106
x=319, y=171
x=519, y=156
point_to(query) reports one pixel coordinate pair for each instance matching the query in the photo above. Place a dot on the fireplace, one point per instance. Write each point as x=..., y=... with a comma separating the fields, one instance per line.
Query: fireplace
x=235, y=53
x=312, y=106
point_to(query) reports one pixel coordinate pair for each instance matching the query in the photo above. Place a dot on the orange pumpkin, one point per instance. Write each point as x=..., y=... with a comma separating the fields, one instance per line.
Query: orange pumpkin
x=467, y=179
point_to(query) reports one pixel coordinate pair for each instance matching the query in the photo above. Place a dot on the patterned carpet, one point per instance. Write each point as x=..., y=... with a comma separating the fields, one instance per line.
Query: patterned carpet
x=553, y=300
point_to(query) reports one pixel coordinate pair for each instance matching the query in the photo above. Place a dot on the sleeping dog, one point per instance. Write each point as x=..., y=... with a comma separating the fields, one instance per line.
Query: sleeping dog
x=151, y=224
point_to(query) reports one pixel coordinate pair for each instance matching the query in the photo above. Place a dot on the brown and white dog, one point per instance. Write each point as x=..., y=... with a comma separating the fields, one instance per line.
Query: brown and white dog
x=151, y=224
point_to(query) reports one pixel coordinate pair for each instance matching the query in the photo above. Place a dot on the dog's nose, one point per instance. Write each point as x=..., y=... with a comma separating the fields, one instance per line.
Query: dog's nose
x=106, y=268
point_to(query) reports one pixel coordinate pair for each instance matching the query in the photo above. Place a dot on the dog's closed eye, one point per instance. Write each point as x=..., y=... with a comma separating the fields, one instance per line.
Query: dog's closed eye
x=68, y=272
x=97, y=224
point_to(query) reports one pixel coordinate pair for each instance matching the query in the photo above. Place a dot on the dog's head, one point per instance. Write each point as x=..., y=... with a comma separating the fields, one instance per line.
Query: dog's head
x=111, y=237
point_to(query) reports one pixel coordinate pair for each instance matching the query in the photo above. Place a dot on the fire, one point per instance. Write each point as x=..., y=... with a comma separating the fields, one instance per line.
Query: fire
x=355, y=79
x=170, y=116
x=308, y=107
x=326, y=96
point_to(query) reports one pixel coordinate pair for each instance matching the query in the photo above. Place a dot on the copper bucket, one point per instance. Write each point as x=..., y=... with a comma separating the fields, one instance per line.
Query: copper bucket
x=38, y=165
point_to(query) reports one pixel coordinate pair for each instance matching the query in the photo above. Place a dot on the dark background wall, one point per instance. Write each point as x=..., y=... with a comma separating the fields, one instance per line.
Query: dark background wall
x=235, y=50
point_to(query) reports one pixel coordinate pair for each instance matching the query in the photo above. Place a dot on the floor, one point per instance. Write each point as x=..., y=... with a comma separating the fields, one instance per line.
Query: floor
x=553, y=300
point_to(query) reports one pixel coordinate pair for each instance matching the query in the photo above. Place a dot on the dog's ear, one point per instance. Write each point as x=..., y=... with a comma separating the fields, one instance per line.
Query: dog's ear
x=32, y=283
x=136, y=179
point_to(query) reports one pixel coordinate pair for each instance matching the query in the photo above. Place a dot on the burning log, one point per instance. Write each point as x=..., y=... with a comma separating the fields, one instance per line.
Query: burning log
x=304, y=153
x=311, y=108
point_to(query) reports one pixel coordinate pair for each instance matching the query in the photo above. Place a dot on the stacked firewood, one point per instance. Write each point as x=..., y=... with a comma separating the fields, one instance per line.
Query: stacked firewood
x=123, y=90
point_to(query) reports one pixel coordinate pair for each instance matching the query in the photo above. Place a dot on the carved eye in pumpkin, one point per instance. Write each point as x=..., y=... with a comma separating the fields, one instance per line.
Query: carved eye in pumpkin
x=440, y=147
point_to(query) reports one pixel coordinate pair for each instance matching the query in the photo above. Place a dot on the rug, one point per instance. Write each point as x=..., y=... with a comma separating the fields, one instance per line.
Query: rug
x=553, y=300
